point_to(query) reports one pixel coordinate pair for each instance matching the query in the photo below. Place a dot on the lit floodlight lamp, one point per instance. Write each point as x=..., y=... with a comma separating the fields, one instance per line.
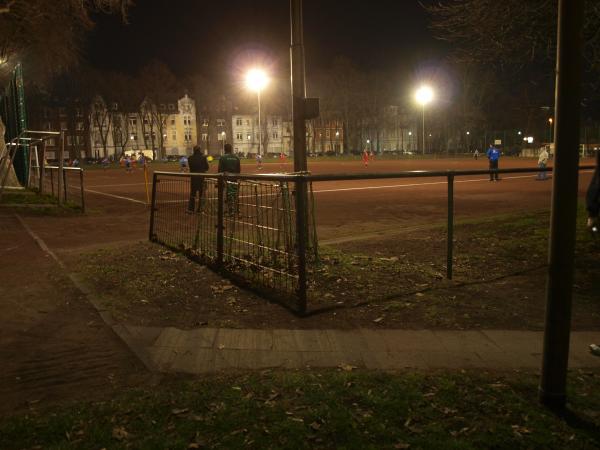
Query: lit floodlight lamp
x=530, y=139
x=256, y=80
x=424, y=95
x=468, y=133
x=550, y=120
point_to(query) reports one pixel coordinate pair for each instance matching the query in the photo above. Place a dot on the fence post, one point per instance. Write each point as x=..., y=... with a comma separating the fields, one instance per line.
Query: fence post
x=64, y=178
x=450, y=242
x=42, y=165
x=61, y=163
x=220, y=218
x=153, y=207
x=52, y=181
x=301, y=236
x=82, y=190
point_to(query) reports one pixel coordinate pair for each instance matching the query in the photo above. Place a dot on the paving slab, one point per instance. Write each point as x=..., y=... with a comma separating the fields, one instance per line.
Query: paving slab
x=210, y=349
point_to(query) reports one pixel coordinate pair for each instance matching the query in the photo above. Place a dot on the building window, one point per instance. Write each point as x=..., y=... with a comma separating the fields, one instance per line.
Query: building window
x=78, y=112
x=326, y=133
x=220, y=122
x=274, y=122
x=63, y=126
x=238, y=122
x=172, y=122
x=205, y=137
x=134, y=137
x=79, y=140
x=79, y=126
x=275, y=135
x=174, y=135
x=248, y=122
x=187, y=120
x=51, y=142
x=249, y=137
x=69, y=140
x=204, y=122
x=133, y=122
x=239, y=136
x=171, y=106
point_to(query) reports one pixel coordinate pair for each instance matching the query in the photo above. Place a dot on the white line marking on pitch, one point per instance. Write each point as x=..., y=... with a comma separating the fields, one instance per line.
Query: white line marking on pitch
x=414, y=184
x=117, y=185
x=116, y=196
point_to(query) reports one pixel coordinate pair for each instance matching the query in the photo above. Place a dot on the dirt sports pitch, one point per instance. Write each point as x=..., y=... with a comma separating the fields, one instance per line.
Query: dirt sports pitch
x=346, y=210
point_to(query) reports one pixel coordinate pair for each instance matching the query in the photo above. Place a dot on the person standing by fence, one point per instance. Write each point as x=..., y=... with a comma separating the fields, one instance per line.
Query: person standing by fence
x=198, y=164
x=230, y=163
x=493, y=155
x=542, y=161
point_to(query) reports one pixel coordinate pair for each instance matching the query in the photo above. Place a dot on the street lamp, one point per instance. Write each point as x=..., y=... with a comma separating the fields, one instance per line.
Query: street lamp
x=551, y=122
x=222, y=142
x=424, y=95
x=257, y=80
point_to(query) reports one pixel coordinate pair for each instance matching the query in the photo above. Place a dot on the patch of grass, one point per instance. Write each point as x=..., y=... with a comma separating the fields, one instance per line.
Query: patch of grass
x=325, y=409
x=26, y=198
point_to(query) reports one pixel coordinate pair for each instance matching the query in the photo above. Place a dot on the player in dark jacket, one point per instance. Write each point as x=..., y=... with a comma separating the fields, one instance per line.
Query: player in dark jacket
x=198, y=164
x=230, y=163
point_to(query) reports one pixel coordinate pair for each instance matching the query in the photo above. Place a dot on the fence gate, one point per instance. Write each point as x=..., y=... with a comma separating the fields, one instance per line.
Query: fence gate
x=12, y=110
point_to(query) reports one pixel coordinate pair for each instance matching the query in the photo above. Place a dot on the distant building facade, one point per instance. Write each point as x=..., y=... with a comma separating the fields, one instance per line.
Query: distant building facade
x=168, y=126
x=245, y=134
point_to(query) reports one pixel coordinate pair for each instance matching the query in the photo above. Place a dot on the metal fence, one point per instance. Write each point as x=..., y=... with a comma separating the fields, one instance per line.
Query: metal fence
x=71, y=189
x=260, y=229
x=244, y=226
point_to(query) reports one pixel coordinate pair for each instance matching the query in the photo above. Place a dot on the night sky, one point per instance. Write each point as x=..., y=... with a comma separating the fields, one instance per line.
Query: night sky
x=219, y=39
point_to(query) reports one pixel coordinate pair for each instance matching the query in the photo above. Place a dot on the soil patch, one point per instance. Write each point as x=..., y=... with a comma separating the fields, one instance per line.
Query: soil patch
x=389, y=283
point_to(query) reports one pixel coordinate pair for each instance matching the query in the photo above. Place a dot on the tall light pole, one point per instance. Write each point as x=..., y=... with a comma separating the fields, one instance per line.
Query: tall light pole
x=424, y=95
x=257, y=80
x=222, y=142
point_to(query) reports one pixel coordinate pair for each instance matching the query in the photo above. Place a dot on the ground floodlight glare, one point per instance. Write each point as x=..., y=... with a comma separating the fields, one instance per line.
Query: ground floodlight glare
x=424, y=95
x=256, y=79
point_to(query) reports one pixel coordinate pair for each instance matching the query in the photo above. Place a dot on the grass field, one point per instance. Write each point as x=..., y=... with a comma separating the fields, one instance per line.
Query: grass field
x=322, y=409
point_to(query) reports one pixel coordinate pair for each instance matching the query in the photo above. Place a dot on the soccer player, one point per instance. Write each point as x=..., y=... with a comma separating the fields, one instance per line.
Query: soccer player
x=493, y=155
x=198, y=164
x=365, y=157
x=183, y=164
x=230, y=163
x=259, y=161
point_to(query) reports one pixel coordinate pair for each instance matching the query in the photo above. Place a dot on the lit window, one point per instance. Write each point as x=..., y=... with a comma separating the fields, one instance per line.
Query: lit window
x=205, y=137
x=204, y=122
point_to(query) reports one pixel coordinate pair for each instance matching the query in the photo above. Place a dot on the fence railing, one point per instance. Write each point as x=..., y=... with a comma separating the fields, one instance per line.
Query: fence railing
x=260, y=229
x=72, y=187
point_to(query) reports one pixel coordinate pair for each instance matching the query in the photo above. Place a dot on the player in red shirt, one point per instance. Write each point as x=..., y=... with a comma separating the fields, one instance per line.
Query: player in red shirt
x=365, y=157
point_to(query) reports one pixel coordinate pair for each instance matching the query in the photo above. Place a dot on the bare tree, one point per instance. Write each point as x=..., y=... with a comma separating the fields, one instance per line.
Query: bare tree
x=47, y=35
x=101, y=119
x=160, y=88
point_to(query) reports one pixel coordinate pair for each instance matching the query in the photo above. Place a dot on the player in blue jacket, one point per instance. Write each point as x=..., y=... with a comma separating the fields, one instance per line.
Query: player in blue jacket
x=493, y=155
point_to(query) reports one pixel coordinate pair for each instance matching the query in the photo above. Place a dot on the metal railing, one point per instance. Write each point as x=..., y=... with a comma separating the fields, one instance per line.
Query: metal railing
x=241, y=225
x=72, y=187
x=260, y=229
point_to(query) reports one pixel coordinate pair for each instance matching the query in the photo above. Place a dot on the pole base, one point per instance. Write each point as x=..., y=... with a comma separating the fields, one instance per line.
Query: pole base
x=554, y=401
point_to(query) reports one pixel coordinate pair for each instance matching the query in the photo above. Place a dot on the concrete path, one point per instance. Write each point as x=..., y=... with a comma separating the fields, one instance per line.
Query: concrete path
x=211, y=349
